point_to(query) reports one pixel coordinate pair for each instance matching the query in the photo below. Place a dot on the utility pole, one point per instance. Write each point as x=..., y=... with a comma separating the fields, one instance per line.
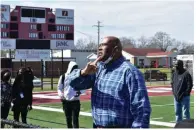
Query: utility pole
x=98, y=32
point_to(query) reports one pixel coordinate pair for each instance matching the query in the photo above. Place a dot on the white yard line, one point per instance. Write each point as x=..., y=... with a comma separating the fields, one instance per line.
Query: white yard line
x=165, y=105
x=45, y=92
x=157, y=91
x=158, y=118
x=159, y=123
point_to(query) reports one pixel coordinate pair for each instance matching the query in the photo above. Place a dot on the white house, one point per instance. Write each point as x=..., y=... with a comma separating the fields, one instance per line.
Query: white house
x=93, y=56
x=145, y=57
x=150, y=57
x=79, y=55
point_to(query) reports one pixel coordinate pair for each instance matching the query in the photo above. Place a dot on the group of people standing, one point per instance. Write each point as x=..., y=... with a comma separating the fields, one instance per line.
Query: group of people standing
x=119, y=97
x=18, y=96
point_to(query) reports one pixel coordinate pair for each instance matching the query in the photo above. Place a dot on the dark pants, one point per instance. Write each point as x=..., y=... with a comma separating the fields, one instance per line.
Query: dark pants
x=94, y=126
x=20, y=110
x=4, y=112
x=71, y=109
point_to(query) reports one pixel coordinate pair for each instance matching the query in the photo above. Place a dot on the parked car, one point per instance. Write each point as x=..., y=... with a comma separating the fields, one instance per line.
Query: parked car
x=155, y=74
x=37, y=82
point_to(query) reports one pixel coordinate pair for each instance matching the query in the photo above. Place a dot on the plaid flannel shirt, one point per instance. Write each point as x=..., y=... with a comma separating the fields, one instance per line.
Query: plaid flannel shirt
x=119, y=95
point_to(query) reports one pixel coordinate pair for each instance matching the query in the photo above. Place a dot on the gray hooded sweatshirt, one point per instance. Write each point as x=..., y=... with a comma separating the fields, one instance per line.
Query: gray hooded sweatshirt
x=65, y=91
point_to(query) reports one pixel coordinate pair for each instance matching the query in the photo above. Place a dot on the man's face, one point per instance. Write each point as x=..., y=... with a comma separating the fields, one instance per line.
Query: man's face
x=105, y=49
x=179, y=65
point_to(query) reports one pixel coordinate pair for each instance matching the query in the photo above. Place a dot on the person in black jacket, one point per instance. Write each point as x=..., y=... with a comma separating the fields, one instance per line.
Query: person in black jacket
x=22, y=95
x=181, y=87
x=6, y=94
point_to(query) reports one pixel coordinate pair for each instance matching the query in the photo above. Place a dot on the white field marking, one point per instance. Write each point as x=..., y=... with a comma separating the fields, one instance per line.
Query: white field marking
x=161, y=88
x=48, y=94
x=54, y=94
x=160, y=123
x=89, y=115
x=165, y=105
x=45, y=92
x=158, y=118
x=59, y=110
x=160, y=96
x=157, y=91
x=45, y=96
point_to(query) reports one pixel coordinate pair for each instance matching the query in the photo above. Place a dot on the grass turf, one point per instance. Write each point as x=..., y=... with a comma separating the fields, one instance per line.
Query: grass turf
x=164, y=113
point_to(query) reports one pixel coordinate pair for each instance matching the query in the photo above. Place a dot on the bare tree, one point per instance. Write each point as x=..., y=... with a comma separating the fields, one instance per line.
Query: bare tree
x=89, y=44
x=143, y=42
x=128, y=42
x=188, y=48
x=161, y=40
x=92, y=45
x=81, y=43
x=3, y=53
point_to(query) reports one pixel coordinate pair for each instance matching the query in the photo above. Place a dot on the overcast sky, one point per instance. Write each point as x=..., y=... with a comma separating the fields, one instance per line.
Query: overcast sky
x=125, y=18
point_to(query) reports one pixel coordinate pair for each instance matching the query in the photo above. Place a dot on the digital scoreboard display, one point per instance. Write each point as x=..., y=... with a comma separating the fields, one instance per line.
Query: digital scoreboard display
x=36, y=25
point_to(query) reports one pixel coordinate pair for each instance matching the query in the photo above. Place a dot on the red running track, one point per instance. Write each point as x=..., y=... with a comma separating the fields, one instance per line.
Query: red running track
x=87, y=96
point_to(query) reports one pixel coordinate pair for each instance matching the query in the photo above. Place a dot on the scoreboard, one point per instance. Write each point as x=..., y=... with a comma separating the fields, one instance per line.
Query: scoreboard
x=36, y=28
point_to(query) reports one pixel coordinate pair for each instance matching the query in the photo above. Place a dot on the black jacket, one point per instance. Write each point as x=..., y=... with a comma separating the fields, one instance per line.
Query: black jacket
x=182, y=85
x=6, y=93
x=22, y=92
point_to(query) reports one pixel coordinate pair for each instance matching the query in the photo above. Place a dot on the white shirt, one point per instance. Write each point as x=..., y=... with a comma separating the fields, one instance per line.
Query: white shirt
x=65, y=91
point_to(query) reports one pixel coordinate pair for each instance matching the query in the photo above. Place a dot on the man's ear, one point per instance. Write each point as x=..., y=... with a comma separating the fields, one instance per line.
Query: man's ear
x=116, y=48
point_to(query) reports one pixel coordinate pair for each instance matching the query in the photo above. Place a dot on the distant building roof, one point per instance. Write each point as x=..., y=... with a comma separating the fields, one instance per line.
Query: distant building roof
x=141, y=51
x=159, y=53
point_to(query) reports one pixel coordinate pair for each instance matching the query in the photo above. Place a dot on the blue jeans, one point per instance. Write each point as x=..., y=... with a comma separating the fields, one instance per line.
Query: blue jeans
x=185, y=104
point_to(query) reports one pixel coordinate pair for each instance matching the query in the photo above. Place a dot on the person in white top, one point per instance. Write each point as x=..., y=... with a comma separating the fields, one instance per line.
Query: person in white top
x=69, y=97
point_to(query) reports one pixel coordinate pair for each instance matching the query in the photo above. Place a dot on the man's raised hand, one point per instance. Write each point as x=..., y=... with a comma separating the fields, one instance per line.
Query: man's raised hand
x=90, y=68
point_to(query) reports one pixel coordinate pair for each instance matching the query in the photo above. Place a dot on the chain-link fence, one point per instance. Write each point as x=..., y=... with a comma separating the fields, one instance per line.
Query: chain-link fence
x=46, y=72
x=5, y=123
x=157, y=76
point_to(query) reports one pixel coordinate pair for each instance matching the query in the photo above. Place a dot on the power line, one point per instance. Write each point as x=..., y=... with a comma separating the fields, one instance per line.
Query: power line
x=98, y=32
x=86, y=34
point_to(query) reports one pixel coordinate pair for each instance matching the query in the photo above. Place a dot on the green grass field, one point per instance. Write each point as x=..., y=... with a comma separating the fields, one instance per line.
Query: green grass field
x=162, y=110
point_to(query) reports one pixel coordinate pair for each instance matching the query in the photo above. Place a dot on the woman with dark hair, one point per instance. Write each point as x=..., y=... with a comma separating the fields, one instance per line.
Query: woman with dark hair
x=6, y=94
x=22, y=95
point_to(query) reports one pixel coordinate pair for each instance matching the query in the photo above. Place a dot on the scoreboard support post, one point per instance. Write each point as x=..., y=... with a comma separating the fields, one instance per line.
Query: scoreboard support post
x=52, y=69
x=42, y=73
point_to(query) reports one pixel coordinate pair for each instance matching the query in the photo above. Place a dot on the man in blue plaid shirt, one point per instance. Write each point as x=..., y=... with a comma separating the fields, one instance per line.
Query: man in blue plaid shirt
x=119, y=95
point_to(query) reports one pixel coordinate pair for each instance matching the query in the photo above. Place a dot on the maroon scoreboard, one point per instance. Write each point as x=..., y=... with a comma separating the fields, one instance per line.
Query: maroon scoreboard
x=27, y=27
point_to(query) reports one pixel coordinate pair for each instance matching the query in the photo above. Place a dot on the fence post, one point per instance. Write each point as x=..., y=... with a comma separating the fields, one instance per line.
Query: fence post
x=150, y=76
x=21, y=63
x=25, y=63
x=42, y=72
x=52, y=69
x=62, y=62
x=10, y=55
